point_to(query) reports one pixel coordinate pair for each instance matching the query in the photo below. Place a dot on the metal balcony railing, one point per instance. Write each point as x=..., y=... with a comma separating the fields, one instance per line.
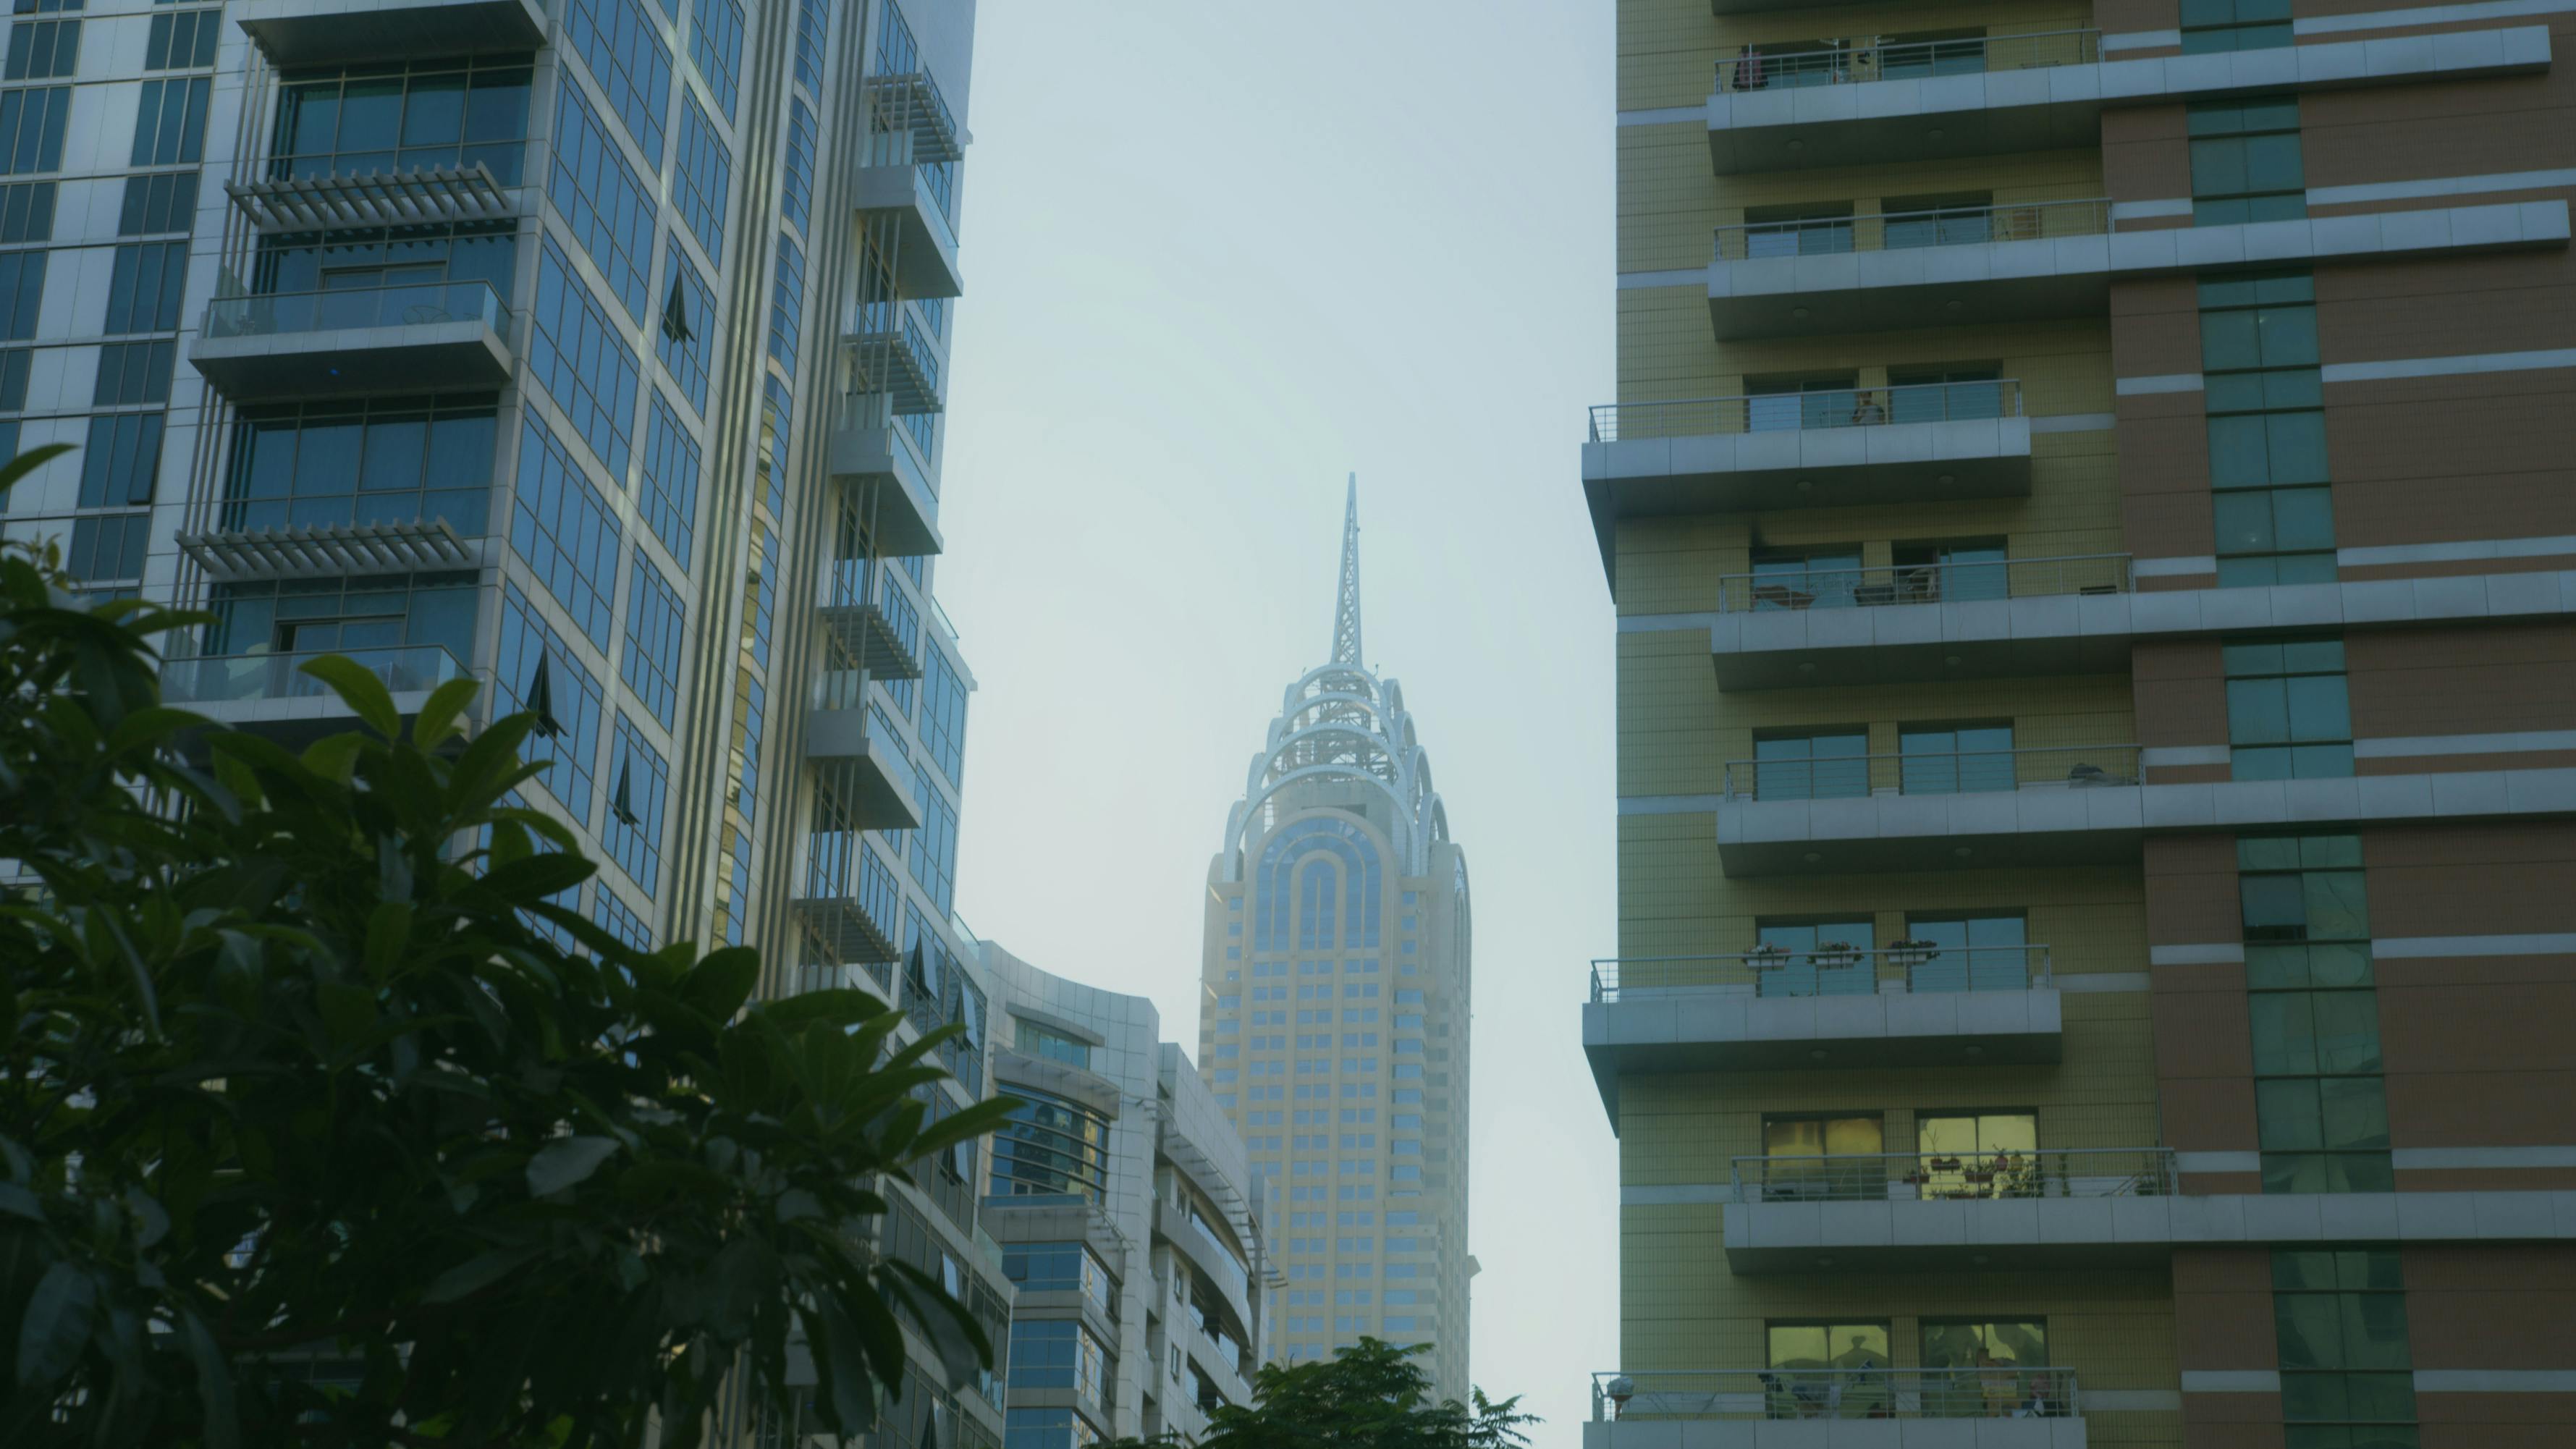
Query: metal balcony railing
x=1749, y=70
x=1842, y=407
x=1828, y=970
x=1968, y=1176
x=1974, y=1392
x=223, y=678
x=1928, y=772
x=1799, y=586
x=274, y=314
x=1897, y=231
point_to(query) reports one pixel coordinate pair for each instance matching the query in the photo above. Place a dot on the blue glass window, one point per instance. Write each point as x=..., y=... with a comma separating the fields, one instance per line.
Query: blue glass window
x=934, y=850
x=787, y=303
x=372, y=460
x=32, y=123
x=624, y=50
x=637, y=783
x=670, y=488
x=943, y=712
x=27, y=210
x=538, y=669
x=715, y=48
x=764, y=591
x=134, y=372
x=163, y=202
x=22, y=293
x=810, y=22
x=564, y=529
x=704, y=176
x=181, y=41
x=796, y=198
x=605, y=203
x=144, y=286
x=614, y=918
x=777, y=406
x=121, y=461
x=170, y=121
x=652, y=667
x=433, y=114
x=755, y=706
x=687, y=333
x=47, y=50
x=584, y=361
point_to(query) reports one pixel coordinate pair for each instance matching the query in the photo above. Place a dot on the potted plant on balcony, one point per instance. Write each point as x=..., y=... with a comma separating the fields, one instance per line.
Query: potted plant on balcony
x=1905, y=955
x=1833, y=955
x=1766, y=957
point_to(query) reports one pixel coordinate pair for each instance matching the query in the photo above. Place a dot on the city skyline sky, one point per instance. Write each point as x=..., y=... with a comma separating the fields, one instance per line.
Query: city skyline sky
x=1217, y=258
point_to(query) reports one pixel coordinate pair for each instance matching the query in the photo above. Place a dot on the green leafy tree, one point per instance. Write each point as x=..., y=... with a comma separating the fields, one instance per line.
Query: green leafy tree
x=1374, y=1395
x=322, y=1123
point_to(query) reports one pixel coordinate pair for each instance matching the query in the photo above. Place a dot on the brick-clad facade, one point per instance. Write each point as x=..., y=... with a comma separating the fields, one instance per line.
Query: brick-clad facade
x=2117, y=456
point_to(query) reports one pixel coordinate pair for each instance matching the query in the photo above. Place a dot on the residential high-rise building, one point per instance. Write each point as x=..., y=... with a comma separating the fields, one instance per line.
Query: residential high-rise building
x=1129, y=1218
x=1333, y=1024
x=589, y=348
x=2088, y=514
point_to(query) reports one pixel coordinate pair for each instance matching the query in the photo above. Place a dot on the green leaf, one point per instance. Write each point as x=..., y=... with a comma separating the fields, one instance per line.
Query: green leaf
x=388, y=933
x=965, y=1125
x=532, y=878
x=335, y=757
x=567, y=1161
x=18, y=1202
x=359, y=689
x=720, y=984
x=477, y=1273
x=146, y=728
x=439, y=713
x=28, y=462
x=222, y=1426
x=56, y=1323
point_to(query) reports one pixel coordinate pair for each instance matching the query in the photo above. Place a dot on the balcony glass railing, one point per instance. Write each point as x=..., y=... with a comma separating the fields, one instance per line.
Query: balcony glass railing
x=1932, y=772
x=2003, y=1390
x=1959, y=1176
x=1802, y=586
x=1805, y=410
x=1827, y=970
x=231, y=678
x=414, y=304
x=1749, y=70
x=1911, y=230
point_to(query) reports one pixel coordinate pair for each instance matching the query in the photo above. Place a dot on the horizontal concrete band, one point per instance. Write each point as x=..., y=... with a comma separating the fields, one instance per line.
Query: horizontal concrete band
x=2387, y=948
x=2427, y=1381
x=2463, y=365
x=2412, y=1159
x=1686, y=1194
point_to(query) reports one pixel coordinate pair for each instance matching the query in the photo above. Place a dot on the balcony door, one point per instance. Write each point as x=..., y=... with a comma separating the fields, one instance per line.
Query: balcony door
x=1830, y=1370
x=1811, y=765
x=1977, y=1154
x=1793, y=404
x=1961, y=759
x=1799, y=1153
x=1818, y=958
x=1971, y=953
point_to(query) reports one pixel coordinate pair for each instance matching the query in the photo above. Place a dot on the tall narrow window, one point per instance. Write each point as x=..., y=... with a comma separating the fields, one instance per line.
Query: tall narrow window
x=2289, y=710
x=2272, y=509
x=2320, y=1107
x=2245, y=162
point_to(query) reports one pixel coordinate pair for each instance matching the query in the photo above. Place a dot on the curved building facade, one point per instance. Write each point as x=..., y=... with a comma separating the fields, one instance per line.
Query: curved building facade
x=1333, y=1020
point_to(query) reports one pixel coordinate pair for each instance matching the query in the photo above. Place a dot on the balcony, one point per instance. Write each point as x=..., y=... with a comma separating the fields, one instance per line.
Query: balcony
x=415, y=338
x=1876, y=272
x=1794, y=625
x=850, y=901
x=870, y=620
x=888, y=490
x=910, y=201
x=1908, y=1210
x=862, y=758
x=889, y=354
x=2038, y=1407
x=2011, y=263
x=1911, y=443
x=271, y=693
x=1888, y=105
x=2055, y=805
x=2077, y=614
x=1912, y=1004
x=300, y=33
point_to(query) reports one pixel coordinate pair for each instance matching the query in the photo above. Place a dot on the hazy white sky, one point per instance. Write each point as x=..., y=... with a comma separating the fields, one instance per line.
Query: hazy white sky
x=1218, y=255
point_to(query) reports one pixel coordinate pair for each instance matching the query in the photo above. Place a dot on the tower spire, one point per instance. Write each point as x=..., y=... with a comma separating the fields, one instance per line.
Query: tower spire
x=1346, y=610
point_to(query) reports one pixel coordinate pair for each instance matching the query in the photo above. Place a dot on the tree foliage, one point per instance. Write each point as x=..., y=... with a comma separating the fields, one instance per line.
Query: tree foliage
x=321, y=1123
x=1374, y=1395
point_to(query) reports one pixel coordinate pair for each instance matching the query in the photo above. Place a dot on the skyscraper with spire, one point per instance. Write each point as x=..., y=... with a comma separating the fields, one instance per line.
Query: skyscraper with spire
x=1333, y=1020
